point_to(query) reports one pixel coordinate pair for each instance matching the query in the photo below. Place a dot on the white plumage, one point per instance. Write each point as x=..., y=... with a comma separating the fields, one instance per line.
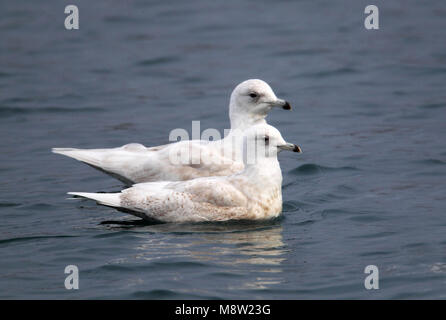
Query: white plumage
x=253, y=194
x=249, y=104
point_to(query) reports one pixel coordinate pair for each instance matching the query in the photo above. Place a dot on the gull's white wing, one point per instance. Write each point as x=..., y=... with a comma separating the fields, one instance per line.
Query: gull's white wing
x=203, y=199
x=118, y=162
x=134, y=163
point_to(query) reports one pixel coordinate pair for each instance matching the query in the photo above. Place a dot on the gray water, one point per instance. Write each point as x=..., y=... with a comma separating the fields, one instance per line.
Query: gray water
x=369, y=114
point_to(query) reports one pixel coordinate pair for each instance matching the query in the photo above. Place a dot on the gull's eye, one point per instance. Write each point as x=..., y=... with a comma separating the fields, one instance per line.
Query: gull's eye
x=253, y=95
x=266, y=139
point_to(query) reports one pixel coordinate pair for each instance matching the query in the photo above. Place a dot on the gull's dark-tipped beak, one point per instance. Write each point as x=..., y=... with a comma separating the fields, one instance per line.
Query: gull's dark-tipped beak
x=286, y=106
x=281, y=104
x=297, y=149
x=290, y=147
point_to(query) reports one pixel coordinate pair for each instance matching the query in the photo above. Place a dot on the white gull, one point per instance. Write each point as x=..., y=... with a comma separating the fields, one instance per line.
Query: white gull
x=249, y=105
x=252, y=194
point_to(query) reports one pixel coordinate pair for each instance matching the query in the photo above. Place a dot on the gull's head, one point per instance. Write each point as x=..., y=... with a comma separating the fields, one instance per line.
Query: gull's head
x=265, y=141
x=251, y=101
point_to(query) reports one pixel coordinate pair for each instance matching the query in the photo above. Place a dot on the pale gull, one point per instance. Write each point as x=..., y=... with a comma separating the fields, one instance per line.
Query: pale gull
x=252, y=194
x=249, y=105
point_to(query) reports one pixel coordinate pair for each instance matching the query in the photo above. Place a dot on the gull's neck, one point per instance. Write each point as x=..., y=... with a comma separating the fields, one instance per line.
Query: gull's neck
x=241, y=119
x=265, y=171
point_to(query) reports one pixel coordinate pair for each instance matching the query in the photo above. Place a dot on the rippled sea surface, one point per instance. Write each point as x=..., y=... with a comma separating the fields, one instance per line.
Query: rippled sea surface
x=369, y=114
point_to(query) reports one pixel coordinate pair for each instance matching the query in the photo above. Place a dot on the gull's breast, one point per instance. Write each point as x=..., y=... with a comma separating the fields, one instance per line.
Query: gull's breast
x=267, y=205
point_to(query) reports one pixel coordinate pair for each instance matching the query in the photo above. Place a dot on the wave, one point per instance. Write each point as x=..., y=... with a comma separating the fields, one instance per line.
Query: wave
x=311, y=168
x=10, y=111
x=432, y=162
x=31, y=238
x=157, y=61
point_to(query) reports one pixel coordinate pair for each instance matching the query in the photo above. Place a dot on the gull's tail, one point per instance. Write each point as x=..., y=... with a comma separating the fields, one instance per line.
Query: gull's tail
x=108, y=161
x=92, y=157
x=106, y=199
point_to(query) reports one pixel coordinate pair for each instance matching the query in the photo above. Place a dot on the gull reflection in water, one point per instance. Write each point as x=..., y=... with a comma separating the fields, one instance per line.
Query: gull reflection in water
x=253, y=249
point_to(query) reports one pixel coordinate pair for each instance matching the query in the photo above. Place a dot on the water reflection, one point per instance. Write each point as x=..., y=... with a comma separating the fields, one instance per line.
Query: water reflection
x=228, y=249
